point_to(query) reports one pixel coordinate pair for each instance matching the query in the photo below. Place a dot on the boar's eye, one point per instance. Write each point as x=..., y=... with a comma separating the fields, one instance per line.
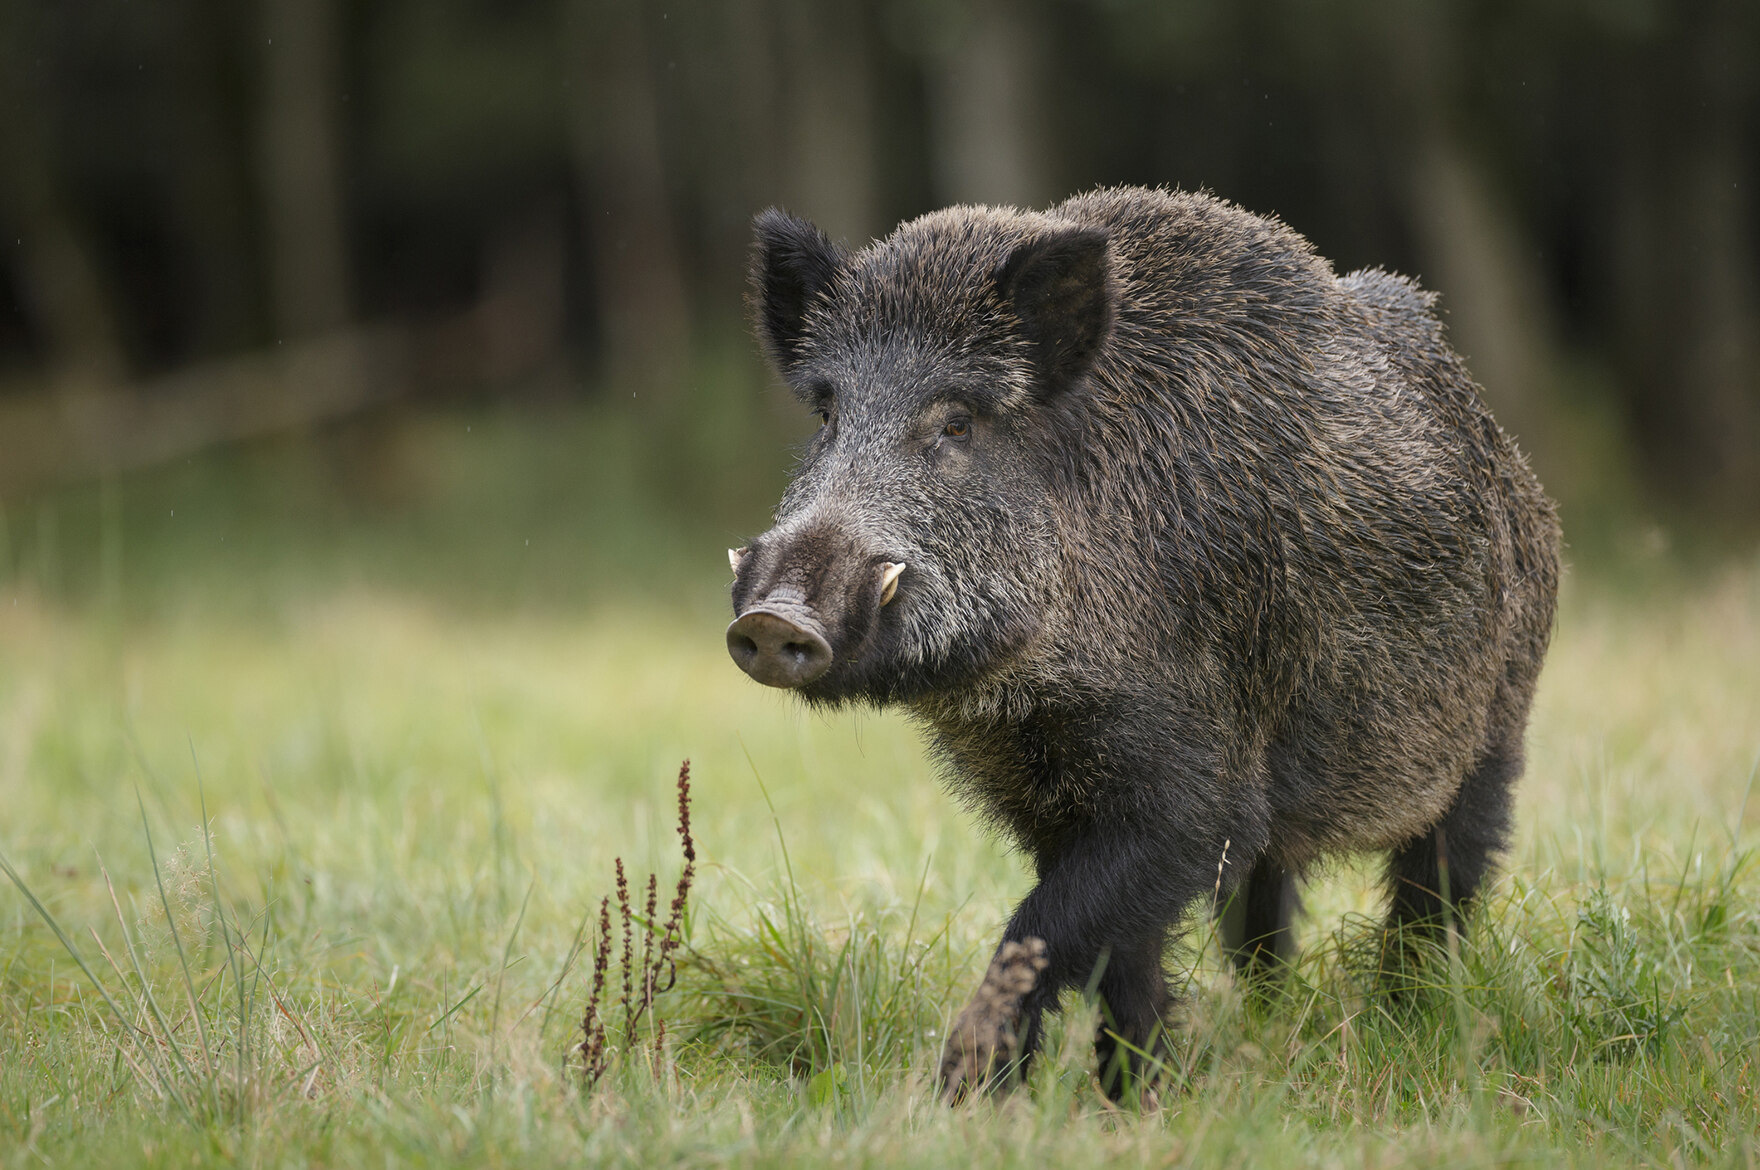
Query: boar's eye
x=959, y=428
x=824, y=417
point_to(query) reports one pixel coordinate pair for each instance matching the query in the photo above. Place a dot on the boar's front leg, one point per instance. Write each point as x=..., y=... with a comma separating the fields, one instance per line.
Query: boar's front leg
x=985, y=1038
x=1105, y=901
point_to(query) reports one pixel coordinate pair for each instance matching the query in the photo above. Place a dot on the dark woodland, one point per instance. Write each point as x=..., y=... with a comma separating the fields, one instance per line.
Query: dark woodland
x=232, y=219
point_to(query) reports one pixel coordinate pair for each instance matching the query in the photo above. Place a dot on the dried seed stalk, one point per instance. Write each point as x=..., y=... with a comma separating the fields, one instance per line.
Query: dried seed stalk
x=641, y=978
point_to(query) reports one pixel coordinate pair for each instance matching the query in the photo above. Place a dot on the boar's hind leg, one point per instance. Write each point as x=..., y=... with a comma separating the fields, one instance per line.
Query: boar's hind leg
x=1256, y=922
x=1435, y=878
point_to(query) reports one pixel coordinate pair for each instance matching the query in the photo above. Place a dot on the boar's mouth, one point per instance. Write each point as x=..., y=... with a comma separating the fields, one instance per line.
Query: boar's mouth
x=779, y=644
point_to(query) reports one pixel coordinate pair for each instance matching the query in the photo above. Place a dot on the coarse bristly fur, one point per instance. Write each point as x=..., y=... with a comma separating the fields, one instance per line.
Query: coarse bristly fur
x=1213, y=558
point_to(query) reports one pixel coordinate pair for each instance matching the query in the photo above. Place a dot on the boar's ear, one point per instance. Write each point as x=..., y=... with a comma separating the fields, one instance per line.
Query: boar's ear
x=1060, y=288
x=792, y=262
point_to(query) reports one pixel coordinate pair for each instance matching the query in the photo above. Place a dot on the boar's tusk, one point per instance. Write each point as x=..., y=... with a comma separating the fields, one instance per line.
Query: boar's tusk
x=734, y=557
x=889, y=575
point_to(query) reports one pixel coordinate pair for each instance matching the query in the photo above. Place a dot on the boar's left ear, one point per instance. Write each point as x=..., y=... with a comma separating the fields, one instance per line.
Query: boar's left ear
x=792, y=262
x=1060, y=288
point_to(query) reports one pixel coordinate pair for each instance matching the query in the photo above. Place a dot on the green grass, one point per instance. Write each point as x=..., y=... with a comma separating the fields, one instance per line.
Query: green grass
x=418, y=748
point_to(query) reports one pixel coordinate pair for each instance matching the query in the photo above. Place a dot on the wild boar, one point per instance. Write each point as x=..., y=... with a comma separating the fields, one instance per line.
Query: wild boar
x=1195, y=562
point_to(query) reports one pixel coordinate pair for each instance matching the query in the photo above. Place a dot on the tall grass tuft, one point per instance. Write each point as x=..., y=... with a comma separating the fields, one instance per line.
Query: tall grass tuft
x=846, y=1009
x=193, y=1044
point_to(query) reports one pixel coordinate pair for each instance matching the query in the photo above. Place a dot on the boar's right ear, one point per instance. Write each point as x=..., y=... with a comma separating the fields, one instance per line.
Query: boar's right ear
x=792, y=262
x=1060, y=288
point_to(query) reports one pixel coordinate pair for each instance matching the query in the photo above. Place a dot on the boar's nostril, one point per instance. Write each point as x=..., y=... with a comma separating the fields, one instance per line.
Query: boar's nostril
x=776, y=651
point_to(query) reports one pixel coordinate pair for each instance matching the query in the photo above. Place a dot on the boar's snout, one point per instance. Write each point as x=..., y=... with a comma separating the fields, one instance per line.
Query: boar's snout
x=778, y=649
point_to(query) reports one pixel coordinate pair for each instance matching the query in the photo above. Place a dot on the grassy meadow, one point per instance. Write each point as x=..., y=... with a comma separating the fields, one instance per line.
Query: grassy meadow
x=424, y=683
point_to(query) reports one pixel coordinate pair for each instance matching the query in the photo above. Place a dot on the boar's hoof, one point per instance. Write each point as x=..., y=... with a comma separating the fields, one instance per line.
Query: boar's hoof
x=776, y=651
x=983, y=1041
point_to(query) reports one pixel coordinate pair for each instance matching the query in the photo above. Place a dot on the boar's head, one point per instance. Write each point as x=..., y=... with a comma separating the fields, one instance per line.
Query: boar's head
x=916, y=547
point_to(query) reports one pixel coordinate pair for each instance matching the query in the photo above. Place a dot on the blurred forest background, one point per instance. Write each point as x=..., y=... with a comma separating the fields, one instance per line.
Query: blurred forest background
x=376, y=401
x=224, y=221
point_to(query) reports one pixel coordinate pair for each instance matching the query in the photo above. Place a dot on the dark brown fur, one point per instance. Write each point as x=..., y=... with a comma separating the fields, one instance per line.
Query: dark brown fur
x=1230, y=566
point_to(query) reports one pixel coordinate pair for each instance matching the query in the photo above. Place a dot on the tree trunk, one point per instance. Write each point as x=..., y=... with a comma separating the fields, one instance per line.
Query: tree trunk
x=986, y=130
x=300, y=161
x=830, y=170
x=209, y=186
x=1472, y=247
x=1698, y=405
x=1493, y=295
x=615, y=138
x=62, y=282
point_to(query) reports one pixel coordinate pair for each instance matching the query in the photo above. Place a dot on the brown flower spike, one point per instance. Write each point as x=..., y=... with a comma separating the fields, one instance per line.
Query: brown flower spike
x=648, y=976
